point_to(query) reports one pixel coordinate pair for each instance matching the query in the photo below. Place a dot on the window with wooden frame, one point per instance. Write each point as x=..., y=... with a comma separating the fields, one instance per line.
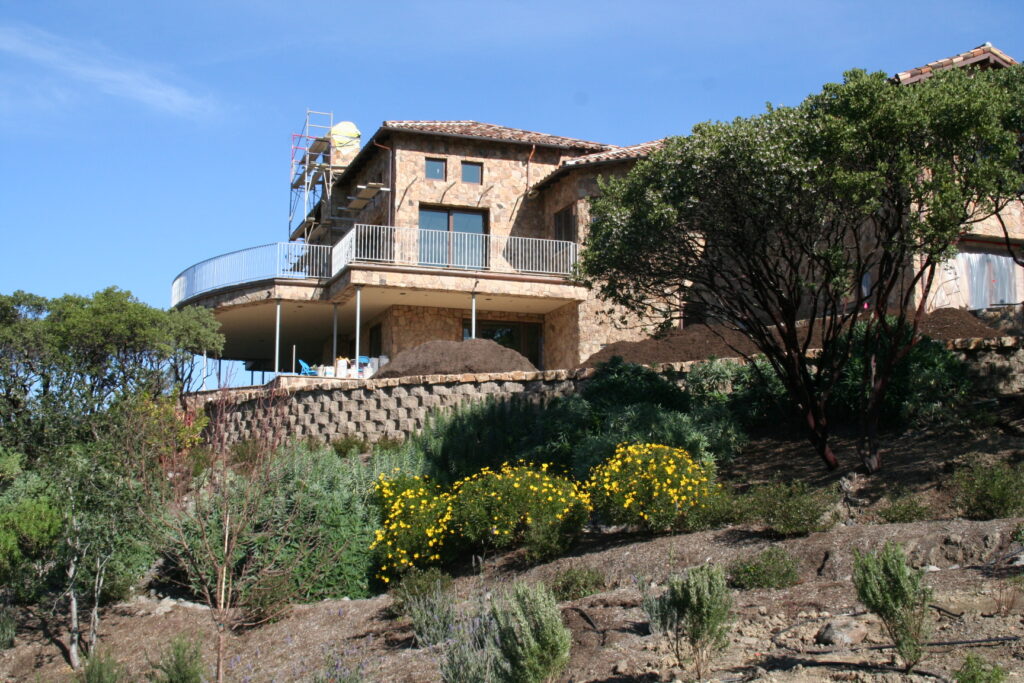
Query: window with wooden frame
x=472, y=172
x=435, y=169
x=565, y=224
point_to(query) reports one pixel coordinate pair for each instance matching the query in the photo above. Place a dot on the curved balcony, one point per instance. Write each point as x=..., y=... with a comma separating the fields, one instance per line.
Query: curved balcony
x=291, y=260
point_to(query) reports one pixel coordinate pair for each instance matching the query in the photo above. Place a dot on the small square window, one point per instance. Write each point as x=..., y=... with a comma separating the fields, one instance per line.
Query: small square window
x=472, y=172
x=435, y=169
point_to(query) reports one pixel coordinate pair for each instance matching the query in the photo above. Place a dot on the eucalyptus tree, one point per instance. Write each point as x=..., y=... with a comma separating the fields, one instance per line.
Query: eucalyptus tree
x=795, y=225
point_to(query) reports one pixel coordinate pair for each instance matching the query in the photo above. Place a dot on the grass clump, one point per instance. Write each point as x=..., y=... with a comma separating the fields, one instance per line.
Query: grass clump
x=793, y=508
x=531, y=642
x=576, y=582
x=773, y=568
x=8, y=627
x=432, y=612
x=897, y=594
x=903, y=508
x=990, y=491
x=694, y=613
x=416, y=583
x=976, y=670
x=470, y=655
x=181, y=662
x=102, y=668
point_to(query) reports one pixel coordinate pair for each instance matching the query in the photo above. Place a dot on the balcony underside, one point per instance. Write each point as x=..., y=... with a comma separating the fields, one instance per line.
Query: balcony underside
x=249, y=328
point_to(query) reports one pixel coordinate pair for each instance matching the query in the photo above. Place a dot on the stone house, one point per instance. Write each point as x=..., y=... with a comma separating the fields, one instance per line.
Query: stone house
x=458, y=229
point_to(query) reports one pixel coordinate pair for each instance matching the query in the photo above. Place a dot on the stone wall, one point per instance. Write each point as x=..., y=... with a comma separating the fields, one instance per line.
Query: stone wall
x=326, y=409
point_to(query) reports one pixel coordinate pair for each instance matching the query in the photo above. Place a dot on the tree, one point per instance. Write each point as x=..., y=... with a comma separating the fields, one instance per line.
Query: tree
x=64, y=362
x=793, y=225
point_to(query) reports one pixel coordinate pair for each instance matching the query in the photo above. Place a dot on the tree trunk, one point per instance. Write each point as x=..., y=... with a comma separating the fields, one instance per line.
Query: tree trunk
x=221, y=646
x=75, y=630
x=818, y=435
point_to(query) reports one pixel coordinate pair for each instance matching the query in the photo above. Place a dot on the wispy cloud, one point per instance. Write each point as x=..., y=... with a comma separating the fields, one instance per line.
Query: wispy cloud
x=97, y=68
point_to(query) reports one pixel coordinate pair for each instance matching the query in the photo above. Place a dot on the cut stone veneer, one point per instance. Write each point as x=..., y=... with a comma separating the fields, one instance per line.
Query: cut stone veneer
x=326, y=409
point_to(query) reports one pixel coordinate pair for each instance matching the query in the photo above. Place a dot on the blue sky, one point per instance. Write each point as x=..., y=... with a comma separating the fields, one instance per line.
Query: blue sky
x=137, y=138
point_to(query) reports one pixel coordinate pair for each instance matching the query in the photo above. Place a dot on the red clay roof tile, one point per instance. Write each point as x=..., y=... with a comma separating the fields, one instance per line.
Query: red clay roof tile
x=490, y=131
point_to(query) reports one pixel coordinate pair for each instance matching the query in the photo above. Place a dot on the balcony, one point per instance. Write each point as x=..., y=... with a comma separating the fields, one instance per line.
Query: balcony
x=382, y=245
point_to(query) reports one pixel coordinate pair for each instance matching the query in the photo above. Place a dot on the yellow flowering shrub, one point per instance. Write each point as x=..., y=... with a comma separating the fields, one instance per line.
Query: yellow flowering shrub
x=519, y=505
x=492, y=509
x=415, y=525
x=649, y=485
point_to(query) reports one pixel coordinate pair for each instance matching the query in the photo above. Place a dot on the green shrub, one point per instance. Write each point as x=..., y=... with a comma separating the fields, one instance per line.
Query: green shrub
x=773, y=568
x=927, y=384
x=102, y=668
x=694, y=610
x=904, y=508
x=574, y=583
x=990, y=491
x=8, y=627
x=415, y=524
x=792, y=509
x=531, y=641
x=415, y=583
x=976, y=670
x=346, y=446
x=616, y=384
x=519, y=505
x=433, y=614
x=650, y=486
x=181, y=662
x=721, y=508
x=897, y=594
x=469, y=655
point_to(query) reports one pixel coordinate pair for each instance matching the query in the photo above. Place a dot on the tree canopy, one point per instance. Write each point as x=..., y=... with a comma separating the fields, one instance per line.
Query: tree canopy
x=793, y=225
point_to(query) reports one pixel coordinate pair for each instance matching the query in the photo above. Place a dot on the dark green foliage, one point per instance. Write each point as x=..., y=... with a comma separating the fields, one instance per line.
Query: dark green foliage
x=772, y=568
x=990, y=491
x=903, y=508
x=574, y=583
x=415, y=583
x=531, y=641
x=793, y=508
x=346, y=446
x=181, y=662
x=927, y=384
x=977, y=670
x=897, y=594
x=721, y=508
x=616, y=384
x=102, y=668
x=8, y=627
x=694, y=610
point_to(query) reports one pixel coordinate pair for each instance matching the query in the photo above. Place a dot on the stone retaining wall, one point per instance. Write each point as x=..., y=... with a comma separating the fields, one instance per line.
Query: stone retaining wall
x=326, y=409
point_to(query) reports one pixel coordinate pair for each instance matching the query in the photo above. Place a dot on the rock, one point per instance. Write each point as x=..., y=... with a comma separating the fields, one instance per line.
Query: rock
x=621, y=667
x=164, y=606
x=841, y=633
x=930, y=568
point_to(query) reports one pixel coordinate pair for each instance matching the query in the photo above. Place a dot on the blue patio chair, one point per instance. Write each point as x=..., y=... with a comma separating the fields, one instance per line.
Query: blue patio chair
x=306, y=370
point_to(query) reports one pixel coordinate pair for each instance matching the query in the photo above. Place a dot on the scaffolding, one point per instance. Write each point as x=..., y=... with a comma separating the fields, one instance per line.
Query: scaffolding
x=319, y=154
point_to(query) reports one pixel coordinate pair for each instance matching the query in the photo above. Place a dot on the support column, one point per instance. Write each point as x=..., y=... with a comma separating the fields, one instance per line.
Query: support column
x=334, y=337
x=204, y=370
x=472, y=319
x=359, y=321
x=277, y=340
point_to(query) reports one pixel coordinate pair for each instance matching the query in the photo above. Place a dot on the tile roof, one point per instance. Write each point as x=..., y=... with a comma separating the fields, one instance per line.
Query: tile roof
x=617, y=154
x=983, y=55
x=490, y=131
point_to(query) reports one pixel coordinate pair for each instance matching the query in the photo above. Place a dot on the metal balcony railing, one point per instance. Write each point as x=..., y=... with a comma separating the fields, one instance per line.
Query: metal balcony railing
x=276, y=260
x=440, y=249
x=453, y=251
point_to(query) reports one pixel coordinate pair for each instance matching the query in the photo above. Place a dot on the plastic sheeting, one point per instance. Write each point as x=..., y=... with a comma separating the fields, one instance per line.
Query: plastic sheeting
x=991, y=279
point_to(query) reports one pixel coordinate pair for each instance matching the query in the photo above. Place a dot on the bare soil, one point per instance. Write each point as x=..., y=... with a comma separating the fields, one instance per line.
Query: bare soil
x=699, y=342
x=773, y=638
x=455, y=358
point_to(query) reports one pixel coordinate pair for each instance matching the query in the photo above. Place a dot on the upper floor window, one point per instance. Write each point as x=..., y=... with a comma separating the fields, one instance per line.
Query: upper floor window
x=565, y=224
x=472, y=172
x=436, y=169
